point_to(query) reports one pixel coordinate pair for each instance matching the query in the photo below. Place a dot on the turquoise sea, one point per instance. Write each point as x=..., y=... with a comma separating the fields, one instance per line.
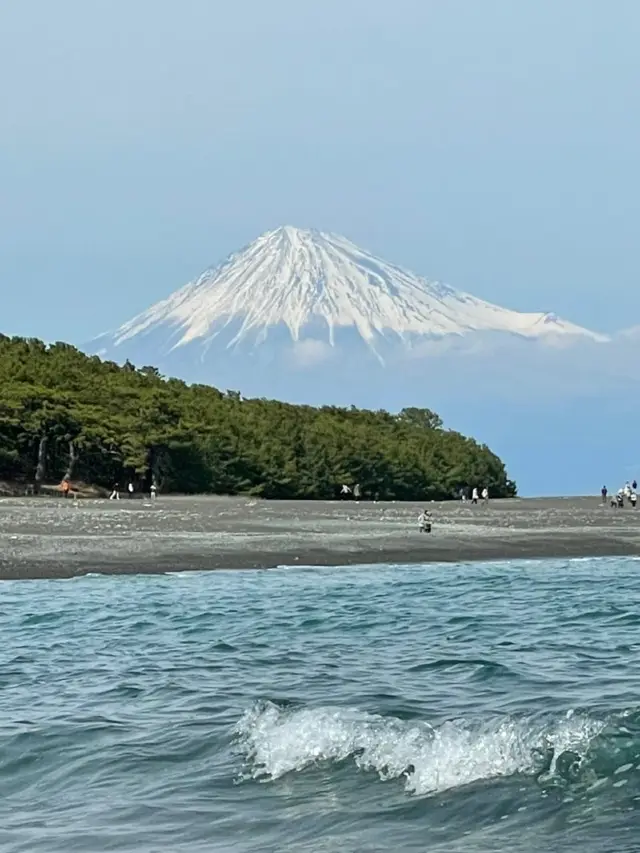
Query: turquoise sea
x=475, y=707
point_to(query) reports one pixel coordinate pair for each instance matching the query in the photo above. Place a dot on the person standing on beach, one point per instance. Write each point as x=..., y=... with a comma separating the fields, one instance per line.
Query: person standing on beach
x=425, y=521
x=345, y=491
x=474, y=495
x=356, y=492
x=633, y=499
x=130, y=489
x=634, y=485
x=485, y=495
x=604, y=492
x=153, y=492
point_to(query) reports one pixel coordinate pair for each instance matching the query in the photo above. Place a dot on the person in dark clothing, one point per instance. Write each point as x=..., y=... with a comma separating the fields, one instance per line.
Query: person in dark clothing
x=604, y=494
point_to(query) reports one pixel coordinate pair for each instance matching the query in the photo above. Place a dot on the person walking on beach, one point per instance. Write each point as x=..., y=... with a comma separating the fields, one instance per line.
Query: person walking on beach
x=633, y=499
x=153, y=493
x=474, y=496
x=115, y=494
x=130, y=489
x=604, y=492
x=485, y=495
x=345, y=491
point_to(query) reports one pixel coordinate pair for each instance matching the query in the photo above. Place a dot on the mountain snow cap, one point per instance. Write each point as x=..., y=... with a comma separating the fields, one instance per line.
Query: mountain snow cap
x=301, y=279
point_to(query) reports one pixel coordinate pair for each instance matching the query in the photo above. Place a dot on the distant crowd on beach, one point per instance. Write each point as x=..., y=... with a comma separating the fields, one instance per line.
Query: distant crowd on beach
x=115, y=492
x=626, y=494
x=473, y=495
x=348, y=493
x=66, y=489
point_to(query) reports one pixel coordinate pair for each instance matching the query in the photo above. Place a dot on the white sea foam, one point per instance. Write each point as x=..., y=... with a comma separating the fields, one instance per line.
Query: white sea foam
x=430, y=759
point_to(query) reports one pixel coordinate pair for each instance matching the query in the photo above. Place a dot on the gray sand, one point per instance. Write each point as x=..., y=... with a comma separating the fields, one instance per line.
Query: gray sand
x=53, y=537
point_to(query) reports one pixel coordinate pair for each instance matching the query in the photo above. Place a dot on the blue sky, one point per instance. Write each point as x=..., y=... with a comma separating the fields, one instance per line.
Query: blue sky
x=490, y=144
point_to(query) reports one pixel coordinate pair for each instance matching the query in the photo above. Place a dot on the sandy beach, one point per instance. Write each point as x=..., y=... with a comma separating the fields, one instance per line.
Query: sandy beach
x=57, y=538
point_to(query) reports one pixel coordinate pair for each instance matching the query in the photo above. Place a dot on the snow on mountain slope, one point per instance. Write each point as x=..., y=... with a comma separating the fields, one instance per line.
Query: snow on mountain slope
x=306, y=280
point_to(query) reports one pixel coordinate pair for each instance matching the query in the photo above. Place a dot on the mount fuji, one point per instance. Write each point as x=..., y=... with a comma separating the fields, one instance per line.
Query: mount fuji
x=309, y=317
x=304, y=294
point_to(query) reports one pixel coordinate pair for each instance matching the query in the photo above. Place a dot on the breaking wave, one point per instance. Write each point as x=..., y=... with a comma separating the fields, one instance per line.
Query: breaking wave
x=576, y=749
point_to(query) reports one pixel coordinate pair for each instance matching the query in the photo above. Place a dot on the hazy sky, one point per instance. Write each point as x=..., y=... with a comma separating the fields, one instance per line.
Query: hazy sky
x=491, y=144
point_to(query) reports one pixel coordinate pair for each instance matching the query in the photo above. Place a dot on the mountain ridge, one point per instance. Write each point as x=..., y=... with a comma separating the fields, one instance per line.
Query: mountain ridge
x=314, y=284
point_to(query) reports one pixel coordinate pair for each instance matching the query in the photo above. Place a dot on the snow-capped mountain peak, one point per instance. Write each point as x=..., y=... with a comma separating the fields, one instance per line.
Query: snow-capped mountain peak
x=305, y=279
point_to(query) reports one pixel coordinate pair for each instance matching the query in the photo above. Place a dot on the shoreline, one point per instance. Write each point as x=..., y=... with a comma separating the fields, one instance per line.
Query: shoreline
x=54, y=539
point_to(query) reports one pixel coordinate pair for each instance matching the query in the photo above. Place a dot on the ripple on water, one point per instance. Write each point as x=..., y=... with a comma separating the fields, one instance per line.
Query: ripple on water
x=471, y=707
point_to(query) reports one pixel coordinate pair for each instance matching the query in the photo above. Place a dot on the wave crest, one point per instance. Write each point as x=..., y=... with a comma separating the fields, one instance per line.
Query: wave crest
x=430, y=759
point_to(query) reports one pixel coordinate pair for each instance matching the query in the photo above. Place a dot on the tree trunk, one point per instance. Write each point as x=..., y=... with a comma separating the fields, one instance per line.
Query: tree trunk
x=156, y=475
x=41, y=467
x=73, y=460
x=156, y=467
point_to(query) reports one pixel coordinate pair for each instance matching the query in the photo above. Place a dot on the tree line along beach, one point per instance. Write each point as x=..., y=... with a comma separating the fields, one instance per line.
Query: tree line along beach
x=67, y=415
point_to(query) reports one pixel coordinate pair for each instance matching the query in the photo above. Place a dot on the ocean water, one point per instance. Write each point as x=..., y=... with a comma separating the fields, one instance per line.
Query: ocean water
x=476, y=707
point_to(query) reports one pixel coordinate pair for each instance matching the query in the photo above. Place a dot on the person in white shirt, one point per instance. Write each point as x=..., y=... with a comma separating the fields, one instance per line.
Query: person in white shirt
x=474, y=496
x=425, y=521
